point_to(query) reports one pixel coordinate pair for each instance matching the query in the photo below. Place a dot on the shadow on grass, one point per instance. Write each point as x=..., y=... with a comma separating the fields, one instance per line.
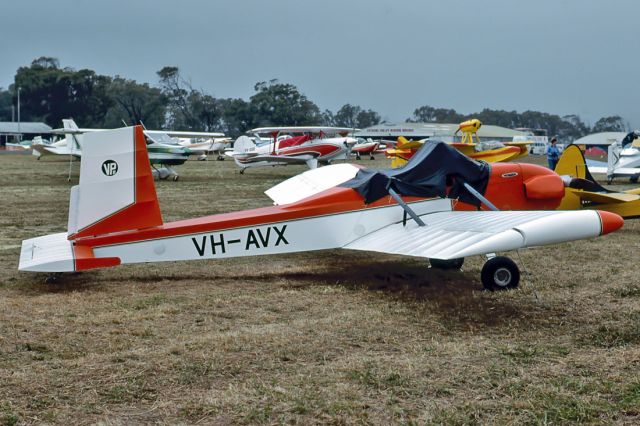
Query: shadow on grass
x=456, y=297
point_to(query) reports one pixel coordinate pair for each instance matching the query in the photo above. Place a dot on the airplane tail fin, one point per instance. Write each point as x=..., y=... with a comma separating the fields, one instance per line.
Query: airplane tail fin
x=243, y=144
x=402, y=141
x=73, y=136
x=572, y=163
x=613, y=157
x=116, y=191
x=69, y=124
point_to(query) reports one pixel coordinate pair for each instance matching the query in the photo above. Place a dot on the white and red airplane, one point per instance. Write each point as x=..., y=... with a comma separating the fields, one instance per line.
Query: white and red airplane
x=434, y=207
x=365, y=147
x=313, y=145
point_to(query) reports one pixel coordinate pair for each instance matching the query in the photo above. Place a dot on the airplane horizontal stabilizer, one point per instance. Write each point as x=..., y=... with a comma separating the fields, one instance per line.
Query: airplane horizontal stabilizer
x=605, y=198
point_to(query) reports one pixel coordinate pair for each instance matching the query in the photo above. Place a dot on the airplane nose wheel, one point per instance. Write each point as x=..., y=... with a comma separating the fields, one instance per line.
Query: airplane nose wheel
x=500, y=273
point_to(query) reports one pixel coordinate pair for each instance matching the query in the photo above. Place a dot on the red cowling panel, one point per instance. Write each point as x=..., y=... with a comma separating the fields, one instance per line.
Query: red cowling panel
x=544, y=187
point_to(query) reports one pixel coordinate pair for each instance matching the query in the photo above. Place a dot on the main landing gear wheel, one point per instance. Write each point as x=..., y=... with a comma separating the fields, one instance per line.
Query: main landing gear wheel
x=633, y=179
x=447, y=264
x=500, y=273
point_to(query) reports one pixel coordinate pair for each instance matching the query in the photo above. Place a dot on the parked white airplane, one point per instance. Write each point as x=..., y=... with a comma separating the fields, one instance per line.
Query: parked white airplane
x=211, y=145
x=429, y=208
x=623, y=159
x=313, y=145
x=164, y=150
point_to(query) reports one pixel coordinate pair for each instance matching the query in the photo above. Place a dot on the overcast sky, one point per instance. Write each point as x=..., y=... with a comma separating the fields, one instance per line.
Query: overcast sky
x=556, y=56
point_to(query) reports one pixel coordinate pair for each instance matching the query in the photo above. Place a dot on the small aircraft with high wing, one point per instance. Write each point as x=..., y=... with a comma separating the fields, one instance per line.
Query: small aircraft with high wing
x=164, y=149
x=202, y=146
x=623, y=159
x=435, y=207
x=583, y=192
x=313, y=145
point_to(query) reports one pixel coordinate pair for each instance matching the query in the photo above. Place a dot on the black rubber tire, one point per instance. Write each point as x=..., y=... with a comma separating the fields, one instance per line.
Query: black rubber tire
x=500, y=273
x=447, y=264
x=51, y=279
x=633, y=179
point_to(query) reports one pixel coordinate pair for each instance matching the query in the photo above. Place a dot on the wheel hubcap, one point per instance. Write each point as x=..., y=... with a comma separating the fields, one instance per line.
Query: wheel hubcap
x=502, y=277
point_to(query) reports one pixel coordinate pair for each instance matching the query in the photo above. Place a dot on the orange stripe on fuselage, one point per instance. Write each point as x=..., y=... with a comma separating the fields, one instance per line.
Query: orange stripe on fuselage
x=332, y=201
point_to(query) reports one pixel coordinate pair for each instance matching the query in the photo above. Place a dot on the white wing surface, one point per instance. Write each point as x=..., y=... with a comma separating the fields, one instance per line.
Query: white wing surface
x=451, y=235
x=311, y=182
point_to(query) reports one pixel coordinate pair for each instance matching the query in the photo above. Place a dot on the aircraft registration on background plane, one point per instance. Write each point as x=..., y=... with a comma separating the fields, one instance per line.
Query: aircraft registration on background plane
x=164, y=150
x=435, y=207
x=313, y=145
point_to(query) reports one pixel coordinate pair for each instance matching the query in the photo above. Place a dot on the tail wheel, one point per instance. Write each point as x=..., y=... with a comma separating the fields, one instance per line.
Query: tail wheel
x=447, y=264
x=500, y=273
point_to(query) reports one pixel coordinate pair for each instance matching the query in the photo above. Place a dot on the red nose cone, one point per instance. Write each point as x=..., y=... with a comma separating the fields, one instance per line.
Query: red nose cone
x=610, y=222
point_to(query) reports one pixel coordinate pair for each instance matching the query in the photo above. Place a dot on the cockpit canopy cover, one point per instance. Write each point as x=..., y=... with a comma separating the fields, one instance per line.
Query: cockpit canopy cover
x=429, y=173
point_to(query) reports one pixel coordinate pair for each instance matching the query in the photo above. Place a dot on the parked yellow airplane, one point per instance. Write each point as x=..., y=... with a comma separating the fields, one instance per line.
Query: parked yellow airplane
x=405, y=149
x=582, y=190
x=491, y=152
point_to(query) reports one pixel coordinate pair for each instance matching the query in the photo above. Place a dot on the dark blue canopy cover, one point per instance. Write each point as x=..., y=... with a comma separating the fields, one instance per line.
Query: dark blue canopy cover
x=427, y=174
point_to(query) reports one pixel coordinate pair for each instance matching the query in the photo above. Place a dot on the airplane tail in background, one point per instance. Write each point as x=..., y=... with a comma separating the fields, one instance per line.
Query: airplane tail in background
x=74, y=136
x=613, y=157
x=116, y=191
x=243, y=144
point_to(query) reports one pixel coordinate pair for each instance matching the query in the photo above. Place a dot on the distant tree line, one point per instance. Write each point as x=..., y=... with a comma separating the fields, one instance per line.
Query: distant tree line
x=566, y=128
x=49, y=93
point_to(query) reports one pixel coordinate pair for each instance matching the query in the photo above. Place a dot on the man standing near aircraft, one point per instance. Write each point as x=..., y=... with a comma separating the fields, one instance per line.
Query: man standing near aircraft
x=553, y=154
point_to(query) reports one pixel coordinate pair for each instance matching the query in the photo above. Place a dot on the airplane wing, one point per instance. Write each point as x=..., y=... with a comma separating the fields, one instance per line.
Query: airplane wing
x=300, y=159
x=601, y=167
x=305, y=129
x=181, y=134
x=64, y=131
x=456, y=234
x=597, y=166
x=605, y=198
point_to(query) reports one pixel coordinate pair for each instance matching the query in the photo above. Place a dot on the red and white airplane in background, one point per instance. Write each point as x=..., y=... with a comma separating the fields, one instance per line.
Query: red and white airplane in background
x=313, y=145
x=365, y=147
x=435, y=207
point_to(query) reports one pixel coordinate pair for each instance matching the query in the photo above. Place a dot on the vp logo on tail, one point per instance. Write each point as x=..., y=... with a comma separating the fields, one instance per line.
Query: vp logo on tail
x=109, y=168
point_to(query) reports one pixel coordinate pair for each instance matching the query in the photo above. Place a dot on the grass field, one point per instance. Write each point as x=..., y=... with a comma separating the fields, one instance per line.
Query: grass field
x=326, y=337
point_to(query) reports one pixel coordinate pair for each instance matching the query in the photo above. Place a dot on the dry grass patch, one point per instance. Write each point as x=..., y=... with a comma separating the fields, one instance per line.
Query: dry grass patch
x=327, y=337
